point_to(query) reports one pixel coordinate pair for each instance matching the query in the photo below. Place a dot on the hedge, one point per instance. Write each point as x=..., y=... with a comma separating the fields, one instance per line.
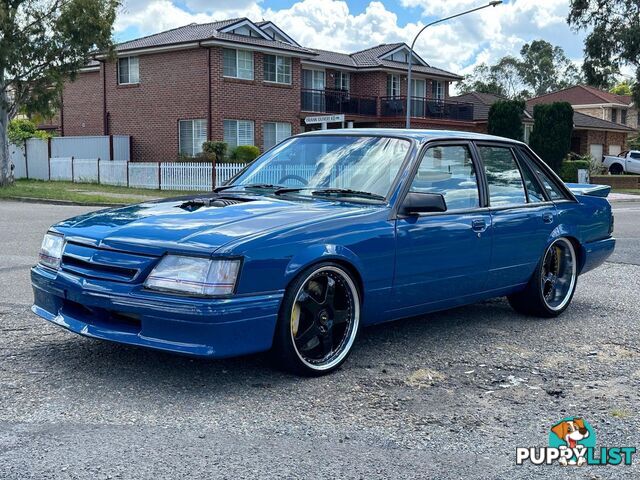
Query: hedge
x=569, y=169
x=245, y=153
x=551, y=135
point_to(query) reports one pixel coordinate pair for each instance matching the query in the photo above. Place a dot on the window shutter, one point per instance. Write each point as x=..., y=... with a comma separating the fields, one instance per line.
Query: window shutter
x=186, y=137
x=245, y=132
x=134, y=70
x=231, y=133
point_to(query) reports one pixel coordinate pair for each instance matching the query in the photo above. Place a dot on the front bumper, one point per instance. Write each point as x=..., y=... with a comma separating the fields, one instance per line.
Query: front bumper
x=126, y=313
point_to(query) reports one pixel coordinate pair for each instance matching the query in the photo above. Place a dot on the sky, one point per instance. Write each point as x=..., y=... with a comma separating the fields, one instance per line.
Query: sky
x=351, y=25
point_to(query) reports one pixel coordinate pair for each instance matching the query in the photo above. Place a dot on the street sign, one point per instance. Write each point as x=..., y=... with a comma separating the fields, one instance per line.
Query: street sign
x=324, y=119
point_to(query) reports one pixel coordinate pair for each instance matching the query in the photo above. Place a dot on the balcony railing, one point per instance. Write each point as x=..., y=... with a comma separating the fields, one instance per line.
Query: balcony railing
x=337, y=101
x=426, y=108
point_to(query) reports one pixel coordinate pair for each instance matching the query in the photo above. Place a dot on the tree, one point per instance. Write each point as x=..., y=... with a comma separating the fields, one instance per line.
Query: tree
x=546, y=68
x=482, y=80
x=623, y=88
x=541, y=68
x=551, y=135
x=43, y=43
x=505, y=119
x=613, y=41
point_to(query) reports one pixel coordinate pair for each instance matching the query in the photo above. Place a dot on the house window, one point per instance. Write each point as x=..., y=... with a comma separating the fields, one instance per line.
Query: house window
x=614, y=115
x=343, y=81
x=275, y=132
x=527, y=133
x=437, y=90
x=277, y=69
x=623, y=117
x=237, y=64
x=128, y=70
x=238, y=132
x=192, y=134
x=393, y=85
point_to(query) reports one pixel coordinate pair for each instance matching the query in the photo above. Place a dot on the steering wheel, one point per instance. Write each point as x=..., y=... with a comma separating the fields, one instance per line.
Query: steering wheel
x=297, y=178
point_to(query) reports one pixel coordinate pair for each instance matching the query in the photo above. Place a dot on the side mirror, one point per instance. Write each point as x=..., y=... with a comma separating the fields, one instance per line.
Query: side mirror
x=416, y=202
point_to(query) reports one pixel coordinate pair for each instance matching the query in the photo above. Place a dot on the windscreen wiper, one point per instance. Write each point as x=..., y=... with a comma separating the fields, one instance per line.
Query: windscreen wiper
x=222, y=187
x=347, y=192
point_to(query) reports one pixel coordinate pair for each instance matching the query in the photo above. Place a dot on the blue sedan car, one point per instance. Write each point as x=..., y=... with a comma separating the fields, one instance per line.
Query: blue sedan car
x=323, y=234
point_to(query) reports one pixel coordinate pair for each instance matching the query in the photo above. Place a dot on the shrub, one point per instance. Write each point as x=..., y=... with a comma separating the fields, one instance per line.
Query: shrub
x=245, y=153
x=215, y=150
x=21, y=129
x=505, y=119
x=569, y=170
x=551, y=135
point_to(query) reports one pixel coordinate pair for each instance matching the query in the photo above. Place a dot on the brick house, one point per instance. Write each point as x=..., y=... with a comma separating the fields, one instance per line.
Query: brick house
x=248, y=84
x=603, y=106
x=591, y=134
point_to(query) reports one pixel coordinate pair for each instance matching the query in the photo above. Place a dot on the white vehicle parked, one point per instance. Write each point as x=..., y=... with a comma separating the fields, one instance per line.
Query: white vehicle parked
x=626, y=162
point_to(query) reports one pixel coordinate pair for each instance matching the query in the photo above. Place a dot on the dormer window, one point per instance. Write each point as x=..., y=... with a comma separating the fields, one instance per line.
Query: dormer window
x=128, y=71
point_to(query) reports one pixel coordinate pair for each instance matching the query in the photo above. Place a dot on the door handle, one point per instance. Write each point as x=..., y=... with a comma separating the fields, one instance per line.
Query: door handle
x=547, y=217
x=479, y=225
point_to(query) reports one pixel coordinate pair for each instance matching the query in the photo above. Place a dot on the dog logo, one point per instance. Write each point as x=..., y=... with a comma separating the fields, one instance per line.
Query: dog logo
x=572, y=441
x=574, y=434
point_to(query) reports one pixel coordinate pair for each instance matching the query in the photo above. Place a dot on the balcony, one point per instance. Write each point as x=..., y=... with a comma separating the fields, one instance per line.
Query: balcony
x=337, y=101
x=426, y=108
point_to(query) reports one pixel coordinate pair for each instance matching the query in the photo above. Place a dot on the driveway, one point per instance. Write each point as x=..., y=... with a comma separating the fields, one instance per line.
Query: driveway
x=449, y=395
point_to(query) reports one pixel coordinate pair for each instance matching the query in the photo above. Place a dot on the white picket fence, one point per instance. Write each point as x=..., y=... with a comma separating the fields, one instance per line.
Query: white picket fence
x=153, y=175
x=194, y=176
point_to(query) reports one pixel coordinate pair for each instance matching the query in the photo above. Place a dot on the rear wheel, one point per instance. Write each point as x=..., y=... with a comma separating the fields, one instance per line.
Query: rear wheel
x=553, y=284
x=616, y=169
x=318, y=320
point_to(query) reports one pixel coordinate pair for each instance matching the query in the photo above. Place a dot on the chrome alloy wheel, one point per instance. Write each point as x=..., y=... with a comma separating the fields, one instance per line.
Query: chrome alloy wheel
x=558, y=277
x=324, y=318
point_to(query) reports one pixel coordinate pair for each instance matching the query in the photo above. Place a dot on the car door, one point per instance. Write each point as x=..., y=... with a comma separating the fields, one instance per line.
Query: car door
x=633, y=162
x=444, y=255
x=522, y=216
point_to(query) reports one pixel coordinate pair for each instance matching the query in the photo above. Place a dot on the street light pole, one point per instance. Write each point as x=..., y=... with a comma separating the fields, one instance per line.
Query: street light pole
x=490, y=4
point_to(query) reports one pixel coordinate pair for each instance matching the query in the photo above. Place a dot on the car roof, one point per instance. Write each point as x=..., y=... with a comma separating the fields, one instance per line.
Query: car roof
x=415, y=134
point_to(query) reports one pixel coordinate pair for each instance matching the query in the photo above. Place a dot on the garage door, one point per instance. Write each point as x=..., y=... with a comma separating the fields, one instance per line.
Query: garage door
x=595, y=149
x=614, y=150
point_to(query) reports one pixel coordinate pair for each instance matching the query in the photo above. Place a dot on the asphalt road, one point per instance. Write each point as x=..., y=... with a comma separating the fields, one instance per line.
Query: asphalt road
x=450, y=395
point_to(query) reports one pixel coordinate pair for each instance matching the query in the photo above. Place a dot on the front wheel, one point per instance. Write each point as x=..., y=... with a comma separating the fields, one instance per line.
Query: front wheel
x=318, y=320
x=553, y=284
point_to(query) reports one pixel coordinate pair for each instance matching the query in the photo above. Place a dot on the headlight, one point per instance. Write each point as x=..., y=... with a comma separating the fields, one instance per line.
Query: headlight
x=194, y=275
x=51, y=250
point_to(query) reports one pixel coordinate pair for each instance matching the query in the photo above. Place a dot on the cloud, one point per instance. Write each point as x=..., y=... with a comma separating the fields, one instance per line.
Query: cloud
x=457, y=45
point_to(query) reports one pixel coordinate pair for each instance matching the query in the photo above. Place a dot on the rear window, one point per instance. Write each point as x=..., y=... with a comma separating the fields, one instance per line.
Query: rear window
x=554, y=192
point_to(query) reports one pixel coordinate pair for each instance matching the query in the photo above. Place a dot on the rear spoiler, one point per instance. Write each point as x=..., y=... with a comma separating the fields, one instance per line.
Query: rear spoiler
x=588, y=189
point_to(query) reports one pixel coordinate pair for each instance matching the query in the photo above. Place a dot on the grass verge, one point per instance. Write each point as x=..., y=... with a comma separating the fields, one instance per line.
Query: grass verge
x=84, y=193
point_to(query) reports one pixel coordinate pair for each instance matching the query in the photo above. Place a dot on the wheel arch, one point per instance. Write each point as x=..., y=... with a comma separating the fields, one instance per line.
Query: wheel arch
x=326, y=253
x=571, y=235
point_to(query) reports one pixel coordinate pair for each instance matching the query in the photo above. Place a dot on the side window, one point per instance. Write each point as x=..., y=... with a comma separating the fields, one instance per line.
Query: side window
x=503, y=176
x=553, y=191
x=534, y=191
x=448, y=170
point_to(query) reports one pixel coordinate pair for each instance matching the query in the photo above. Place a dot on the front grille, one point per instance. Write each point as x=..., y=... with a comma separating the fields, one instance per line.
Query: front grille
x=92, y=262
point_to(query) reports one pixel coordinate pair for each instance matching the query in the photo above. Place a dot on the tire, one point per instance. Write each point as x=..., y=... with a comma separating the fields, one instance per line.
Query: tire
x=616, y=169
x=318, y=321
x=551, y=288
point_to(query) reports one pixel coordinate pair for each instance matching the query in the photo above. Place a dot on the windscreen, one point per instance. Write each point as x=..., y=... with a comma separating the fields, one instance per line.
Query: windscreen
x=368, y=164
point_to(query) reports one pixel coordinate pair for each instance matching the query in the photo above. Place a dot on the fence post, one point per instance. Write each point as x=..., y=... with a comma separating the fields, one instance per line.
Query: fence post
x=213, y=175
x=128, y=163
x=98, y=170
x=26, y=160
x=110, y=147
x=49, y=156
x=72, y=176
x=159, y=175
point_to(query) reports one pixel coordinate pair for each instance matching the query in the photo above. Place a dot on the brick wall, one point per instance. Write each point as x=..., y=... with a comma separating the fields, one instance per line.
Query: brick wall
x=256, y=100
x=82, y=105
x=173, y=87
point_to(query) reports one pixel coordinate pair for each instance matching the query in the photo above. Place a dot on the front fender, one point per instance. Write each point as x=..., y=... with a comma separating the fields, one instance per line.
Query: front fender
x=315, y=253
